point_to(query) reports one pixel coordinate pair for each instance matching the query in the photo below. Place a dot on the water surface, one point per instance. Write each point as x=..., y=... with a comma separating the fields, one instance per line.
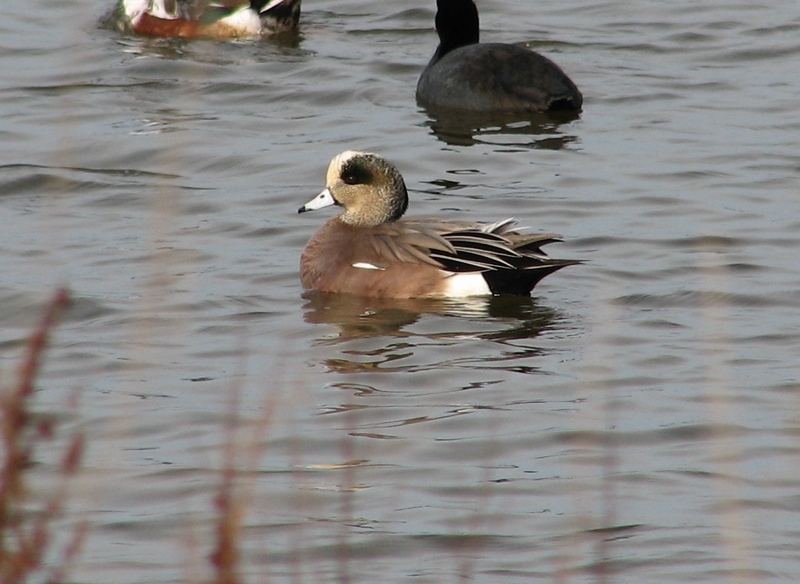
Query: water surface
x=636, y=420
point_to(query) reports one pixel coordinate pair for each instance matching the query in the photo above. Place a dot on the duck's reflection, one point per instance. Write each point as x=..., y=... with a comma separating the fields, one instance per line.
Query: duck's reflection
x=278, y=47
x=360, y=316
x=378, y=334
x=514, y=317
x=525, y=130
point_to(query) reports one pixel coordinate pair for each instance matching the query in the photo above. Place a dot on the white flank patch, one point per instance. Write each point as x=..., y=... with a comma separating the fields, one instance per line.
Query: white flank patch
x=366, y=266
x=461, y=285
x=134, y=9
x=244, y=21
x=159, y=10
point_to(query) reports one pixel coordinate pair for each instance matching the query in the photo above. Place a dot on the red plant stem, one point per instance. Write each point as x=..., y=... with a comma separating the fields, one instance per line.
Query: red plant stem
x=38, y=341
x=15, y=419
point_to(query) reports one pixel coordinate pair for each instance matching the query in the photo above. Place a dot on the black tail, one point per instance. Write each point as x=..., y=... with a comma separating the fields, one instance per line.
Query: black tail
x=281, y=17
x=521, y=282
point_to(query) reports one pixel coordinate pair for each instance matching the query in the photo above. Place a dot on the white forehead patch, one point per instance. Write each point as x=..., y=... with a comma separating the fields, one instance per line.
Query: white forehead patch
x=340, y=159
x=347, y=155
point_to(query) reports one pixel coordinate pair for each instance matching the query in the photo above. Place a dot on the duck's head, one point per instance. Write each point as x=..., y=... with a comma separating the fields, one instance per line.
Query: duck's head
x=369, y=188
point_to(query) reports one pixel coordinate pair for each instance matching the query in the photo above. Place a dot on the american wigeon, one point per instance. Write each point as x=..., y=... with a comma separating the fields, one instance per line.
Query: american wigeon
x=369, y=250
x=220, y=19
x=466, y=75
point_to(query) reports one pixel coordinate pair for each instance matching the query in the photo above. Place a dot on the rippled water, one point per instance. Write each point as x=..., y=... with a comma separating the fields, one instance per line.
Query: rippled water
x=636, y=421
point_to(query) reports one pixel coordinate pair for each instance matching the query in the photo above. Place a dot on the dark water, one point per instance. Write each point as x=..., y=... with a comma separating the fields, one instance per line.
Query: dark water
x=636, y=421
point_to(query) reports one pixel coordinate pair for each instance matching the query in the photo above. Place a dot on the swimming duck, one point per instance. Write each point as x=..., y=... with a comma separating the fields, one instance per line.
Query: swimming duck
x=220, y=19
x=369, y=250
x=464, y=74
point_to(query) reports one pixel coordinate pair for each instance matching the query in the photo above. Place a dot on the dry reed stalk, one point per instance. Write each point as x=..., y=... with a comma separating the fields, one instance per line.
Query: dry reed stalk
x=233, y=500
x=26, y=538
x=225, y=557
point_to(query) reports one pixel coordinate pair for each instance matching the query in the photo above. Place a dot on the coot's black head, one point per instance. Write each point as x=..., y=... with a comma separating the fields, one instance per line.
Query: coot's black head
x=457, y=25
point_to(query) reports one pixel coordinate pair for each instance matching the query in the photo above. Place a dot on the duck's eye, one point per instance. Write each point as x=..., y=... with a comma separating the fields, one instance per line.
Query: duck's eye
x=355, y=173
x=351, y=178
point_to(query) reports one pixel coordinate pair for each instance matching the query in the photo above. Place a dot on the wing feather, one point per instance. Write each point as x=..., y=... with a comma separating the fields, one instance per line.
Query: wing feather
x=462, y=247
